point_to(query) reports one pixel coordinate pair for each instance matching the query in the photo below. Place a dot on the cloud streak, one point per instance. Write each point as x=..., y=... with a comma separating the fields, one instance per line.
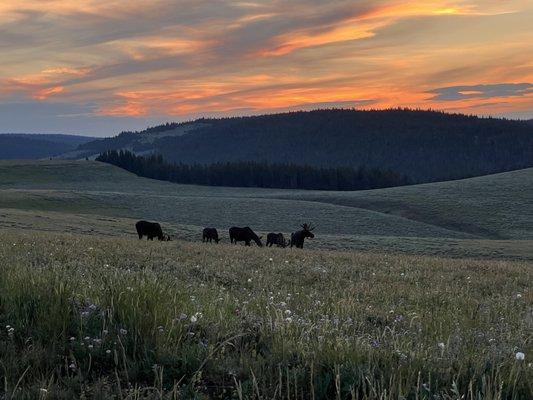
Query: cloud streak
x=455, y=93
x=170, y=59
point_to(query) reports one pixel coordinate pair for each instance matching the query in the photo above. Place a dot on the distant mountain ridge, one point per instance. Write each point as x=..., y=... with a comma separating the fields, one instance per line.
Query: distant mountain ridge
x=425, y=146
x=35, y=146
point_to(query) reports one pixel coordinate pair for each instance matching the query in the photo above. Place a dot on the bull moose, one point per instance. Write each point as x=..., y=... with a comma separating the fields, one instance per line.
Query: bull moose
x=297, y=238
x=245, y=235
x=210, y=234
x=276, y=239
x=150, y=230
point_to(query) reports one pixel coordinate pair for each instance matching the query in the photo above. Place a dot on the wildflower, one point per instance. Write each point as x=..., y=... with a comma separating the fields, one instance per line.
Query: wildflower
x=194, y=319
x=286, y=261
x=520, y=356
x=108, y=351
x=160, y=329
x=283, y=304
x=375, y=344
x=270, y=259
x=72, y=366
x=72, y=338
x=518, y=296
x=399, y=318
x=288, y=319
x=87, y=338
x=123, y=331
x=90, y=346
x=249, y=280
x=85, y=314
x=441, y=345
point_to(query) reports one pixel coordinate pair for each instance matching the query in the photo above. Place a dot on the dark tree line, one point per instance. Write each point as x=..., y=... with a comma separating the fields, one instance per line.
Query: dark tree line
x=254, y=174
x=426, y=146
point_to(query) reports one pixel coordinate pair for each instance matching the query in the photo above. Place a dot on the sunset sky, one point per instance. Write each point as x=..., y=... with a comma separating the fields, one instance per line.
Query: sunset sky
x=100, y=67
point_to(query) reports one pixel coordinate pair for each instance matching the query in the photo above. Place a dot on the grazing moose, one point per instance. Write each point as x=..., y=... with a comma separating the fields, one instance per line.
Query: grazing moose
x=210, y=234
x=297, y=238
x=150, y=230
x=276, y=239
x=245, y=235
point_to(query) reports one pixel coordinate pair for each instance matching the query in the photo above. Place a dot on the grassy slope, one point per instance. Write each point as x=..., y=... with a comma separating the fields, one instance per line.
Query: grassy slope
x=496, y=206
x=452, y=218
x=95, y=317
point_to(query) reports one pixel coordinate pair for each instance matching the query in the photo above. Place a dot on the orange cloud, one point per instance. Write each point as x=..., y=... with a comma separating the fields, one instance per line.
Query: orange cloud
x=151, y=57
x=43, y=94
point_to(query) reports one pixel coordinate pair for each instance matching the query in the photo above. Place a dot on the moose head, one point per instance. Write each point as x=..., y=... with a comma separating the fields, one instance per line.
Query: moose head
x=308, y=230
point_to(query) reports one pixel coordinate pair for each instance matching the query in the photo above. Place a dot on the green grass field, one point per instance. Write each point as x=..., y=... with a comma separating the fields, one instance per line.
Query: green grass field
x=98, y=317
x=419, y=292
x=487, y=217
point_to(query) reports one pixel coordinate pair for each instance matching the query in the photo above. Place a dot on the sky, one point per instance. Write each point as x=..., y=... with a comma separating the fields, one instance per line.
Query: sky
x=98, y=67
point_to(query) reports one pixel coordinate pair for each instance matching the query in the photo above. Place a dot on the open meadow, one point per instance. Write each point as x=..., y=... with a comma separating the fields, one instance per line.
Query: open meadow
x=94, y=317
x=420, y=292
x=487, y=217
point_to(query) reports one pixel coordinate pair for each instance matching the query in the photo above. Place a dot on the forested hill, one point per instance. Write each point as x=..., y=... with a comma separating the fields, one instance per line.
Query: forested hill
x=35, y=146
x=421, y=145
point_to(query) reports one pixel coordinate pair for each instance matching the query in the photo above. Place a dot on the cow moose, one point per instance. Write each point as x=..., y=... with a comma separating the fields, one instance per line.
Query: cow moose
x=210, y=234
x=297, y=238
x=245, y=235
x=150, y=230
x=276, y=239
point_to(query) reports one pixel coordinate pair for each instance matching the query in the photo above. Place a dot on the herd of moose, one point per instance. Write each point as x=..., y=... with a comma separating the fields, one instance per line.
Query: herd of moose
x=153, y=230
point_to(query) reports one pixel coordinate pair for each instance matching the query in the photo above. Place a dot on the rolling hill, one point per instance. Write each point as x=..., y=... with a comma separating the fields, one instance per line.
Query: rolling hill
x=479, y=217
x=35, y=146
x=424, y=146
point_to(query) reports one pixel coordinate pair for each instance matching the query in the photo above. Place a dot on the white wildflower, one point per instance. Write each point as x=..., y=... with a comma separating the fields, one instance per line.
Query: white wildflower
x=520, y=356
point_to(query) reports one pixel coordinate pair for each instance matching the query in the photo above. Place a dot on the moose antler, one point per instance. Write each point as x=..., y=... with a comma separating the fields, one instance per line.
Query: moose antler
x=308, y=227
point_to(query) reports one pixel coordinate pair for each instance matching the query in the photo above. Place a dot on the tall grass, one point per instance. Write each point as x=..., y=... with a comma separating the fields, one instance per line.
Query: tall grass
x=96, y=318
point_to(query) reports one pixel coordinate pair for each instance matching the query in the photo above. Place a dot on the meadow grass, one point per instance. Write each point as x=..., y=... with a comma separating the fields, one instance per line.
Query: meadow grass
x=89, y=317
x=487, y=217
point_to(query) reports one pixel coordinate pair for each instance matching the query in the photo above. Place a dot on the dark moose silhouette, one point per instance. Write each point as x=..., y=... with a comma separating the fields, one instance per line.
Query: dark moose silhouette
x=150, y=230
x=245, y=235
x=297, y=238
x=276, y=239
x=210, y=234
